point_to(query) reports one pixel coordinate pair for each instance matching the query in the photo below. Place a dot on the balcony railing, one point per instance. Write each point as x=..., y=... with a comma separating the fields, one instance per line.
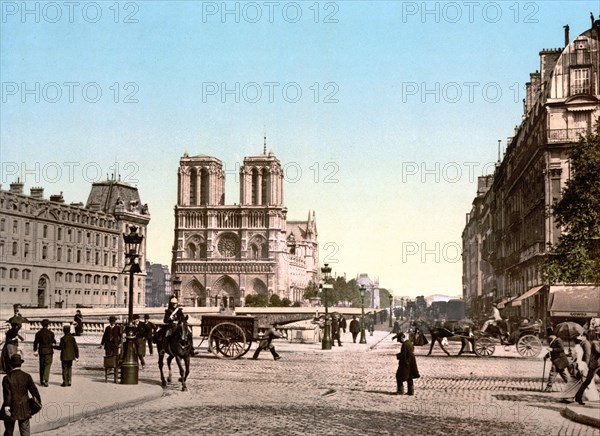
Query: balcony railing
x=565, y=135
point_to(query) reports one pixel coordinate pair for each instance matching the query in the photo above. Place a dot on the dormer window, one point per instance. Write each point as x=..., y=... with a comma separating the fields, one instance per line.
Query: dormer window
x=580, y=81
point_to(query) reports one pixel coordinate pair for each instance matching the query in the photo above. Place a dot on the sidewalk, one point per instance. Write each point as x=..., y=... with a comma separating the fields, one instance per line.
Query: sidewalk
x=588, y=414
x=88, y=396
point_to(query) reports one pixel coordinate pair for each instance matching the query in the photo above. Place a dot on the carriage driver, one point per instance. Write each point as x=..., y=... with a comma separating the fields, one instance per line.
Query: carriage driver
x=496, y=320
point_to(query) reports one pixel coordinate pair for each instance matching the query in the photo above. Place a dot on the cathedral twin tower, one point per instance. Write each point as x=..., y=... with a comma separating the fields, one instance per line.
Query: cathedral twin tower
x=223, y=253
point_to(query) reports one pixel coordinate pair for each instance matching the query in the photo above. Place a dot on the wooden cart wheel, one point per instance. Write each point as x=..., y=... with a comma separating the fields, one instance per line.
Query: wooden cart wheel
x=484, y=347
x=228, y=340
x=529, y=346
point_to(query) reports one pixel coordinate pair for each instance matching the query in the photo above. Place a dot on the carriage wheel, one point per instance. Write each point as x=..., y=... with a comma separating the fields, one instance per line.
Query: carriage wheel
x=228, y=340
x=529, y=346
x=484, y=347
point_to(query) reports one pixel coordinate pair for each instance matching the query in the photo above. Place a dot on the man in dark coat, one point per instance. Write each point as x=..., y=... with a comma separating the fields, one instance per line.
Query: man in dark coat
x=78, y=323
x=560, y=362
x=354, y=328
x=112, y=338
x=335, y=331
x=407, y=367
x=140, y=339
x=69, y=351
x=266, y=340
x=150, y=331
x=15, y=388
x=343, y=323
x=43, y=344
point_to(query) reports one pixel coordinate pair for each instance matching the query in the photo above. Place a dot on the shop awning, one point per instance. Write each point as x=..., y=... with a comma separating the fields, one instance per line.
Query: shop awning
x=574, y=301
x=502, y=303
x=530, y=293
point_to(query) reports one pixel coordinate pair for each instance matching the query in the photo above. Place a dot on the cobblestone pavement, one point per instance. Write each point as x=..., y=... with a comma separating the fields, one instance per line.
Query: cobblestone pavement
x=346, y=391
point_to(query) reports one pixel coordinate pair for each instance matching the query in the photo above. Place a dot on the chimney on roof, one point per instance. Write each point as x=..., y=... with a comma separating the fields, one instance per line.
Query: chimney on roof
x=567, y=34
x=57, y=198
x=16, y=187
x=37, y=193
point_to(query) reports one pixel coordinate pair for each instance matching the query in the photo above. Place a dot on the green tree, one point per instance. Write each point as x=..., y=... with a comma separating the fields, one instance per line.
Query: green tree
x=256, y=300
x=275, y=301
x=576, y=256
x=311, y=291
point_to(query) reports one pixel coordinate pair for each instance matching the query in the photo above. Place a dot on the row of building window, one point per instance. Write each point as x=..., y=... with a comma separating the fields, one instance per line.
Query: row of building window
x=69, y=257
x=3, y=289
x=90, y=237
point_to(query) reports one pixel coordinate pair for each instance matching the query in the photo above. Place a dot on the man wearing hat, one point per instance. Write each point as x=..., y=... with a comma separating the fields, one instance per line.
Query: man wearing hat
x=112, y=337
x=560, y=362
x=407, y=366
x=15, y=388
x=43, y=344
x=140, y=338
x=69, y=351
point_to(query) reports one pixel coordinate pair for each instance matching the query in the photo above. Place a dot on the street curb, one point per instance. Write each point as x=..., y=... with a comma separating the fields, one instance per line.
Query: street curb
x=76, y=416
x=568, y=413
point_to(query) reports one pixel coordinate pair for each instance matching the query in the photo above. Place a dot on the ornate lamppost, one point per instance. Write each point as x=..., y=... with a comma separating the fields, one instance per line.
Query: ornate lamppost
x=326, y=343
x=391, y=315
x=363, y=339
x=129, y=368
x=176, y=283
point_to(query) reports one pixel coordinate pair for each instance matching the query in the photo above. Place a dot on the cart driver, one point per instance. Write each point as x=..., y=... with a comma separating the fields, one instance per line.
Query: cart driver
x=497, y=320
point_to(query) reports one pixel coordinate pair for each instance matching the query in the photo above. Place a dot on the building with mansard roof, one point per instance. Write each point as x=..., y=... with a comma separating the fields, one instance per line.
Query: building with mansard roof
x=223, y=253
x=56, y=254
x=509, y=232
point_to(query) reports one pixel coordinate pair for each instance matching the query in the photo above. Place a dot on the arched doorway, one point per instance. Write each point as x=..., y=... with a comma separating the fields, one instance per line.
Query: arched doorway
x=196, y=293
x=225, y=293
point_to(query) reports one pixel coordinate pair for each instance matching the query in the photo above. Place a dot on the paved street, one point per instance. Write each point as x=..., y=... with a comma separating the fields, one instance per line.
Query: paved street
x=344, y=391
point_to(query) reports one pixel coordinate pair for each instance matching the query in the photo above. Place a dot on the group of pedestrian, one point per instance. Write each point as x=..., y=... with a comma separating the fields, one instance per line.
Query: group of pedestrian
x=44, y=345
x=112, y=338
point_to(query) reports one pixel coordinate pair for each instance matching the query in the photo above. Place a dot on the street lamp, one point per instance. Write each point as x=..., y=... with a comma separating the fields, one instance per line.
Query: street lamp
x=326, y=343
x=176, y=286
x=363, y=340
x=129, y=368
x=391, y=302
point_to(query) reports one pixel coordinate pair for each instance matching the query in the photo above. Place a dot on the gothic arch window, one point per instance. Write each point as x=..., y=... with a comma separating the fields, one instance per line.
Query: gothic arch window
x=191, y=250
x=264, y=199
x=255, y=187
x=193, y=187
x=203, y=186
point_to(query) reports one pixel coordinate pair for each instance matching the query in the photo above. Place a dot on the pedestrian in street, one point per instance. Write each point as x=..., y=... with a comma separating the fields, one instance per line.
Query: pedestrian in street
x=335, y=331
x=69, y=351
x=112, y=338
x=11, y=345
x=140, y=339
x=593, y=369
x=16, y=387
x=560, y=362
x=43, y=344
x=150, y=331
x=78, y=322
x=266, y=342
x=343, y=323
x=407, y=367
x=354, y=328
x=17, y=317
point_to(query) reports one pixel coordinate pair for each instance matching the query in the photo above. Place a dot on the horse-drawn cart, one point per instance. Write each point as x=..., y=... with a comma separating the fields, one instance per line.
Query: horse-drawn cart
x=229, y=336
x=525, y=338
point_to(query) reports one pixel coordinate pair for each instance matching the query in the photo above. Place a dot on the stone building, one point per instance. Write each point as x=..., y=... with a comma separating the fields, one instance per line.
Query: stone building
x=158, y=284
x=223, y=253
x=509, y=229
x=54, y=254
x=371, y=290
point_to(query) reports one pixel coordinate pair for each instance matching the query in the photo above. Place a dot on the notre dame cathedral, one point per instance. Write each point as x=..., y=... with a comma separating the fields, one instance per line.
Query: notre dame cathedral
x=223, y=253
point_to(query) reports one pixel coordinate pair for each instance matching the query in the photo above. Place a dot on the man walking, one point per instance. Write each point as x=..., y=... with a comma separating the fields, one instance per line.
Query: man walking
x=68, y=352
x=593, y=369
x=266, y=340
x=354, y=328
x=560, y=362
x=407, y=367
x=150, y=331
x=15, y=388
x=43, y=344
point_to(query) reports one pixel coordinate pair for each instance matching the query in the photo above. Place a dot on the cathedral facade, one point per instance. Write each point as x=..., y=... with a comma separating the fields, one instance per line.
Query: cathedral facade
x=223, y=253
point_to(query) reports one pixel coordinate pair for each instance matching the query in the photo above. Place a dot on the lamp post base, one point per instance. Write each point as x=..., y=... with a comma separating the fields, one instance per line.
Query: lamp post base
x=326, y=343
x=129, y=367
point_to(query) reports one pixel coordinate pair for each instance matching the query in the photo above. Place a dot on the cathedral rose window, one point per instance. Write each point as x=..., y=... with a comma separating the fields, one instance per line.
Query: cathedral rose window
x=228, y=246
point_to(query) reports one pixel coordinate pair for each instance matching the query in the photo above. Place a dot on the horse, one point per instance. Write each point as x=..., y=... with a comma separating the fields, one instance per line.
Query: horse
x=447, y=329
x=178, y=346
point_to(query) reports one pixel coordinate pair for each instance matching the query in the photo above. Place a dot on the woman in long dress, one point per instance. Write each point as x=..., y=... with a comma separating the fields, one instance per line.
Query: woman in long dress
x=11, y=346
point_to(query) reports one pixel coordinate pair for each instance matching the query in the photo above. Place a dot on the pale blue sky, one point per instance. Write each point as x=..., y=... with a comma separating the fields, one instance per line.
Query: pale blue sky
x=401, y=138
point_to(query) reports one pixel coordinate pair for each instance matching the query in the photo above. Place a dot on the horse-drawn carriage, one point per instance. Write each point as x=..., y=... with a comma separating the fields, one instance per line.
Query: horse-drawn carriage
x=525, y=337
